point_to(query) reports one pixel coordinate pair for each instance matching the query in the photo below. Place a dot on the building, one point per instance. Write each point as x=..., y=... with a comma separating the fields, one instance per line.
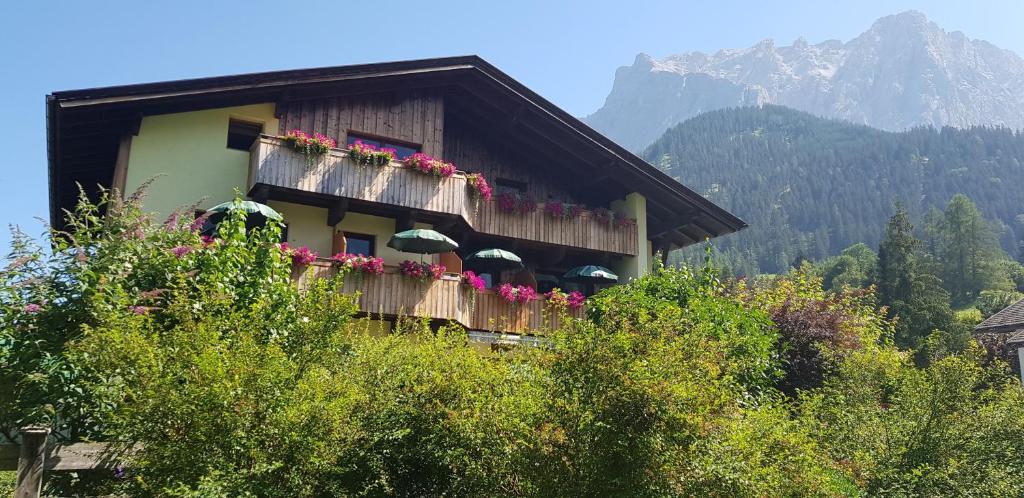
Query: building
x=1003, y=335
x=204, y=138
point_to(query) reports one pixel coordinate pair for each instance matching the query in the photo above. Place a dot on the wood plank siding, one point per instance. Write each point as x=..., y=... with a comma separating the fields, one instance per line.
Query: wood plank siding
x=416, y=117
x=274, y=164
x=392, y=294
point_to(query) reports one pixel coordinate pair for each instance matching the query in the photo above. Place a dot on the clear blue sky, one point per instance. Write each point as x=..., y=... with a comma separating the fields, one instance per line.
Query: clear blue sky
x=566, y=51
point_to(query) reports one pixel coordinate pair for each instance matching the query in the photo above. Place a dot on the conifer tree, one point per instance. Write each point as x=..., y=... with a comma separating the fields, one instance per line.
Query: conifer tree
x=914, y=297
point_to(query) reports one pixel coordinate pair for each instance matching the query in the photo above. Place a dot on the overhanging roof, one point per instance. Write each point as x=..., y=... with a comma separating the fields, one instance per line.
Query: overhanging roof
x=84, y=126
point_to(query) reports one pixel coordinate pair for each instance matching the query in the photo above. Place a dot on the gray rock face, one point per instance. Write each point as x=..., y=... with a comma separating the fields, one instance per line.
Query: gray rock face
x=904, y=71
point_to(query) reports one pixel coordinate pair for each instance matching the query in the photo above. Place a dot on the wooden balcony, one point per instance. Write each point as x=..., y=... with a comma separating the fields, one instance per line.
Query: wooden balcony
x=274, y=164
x=391, y=295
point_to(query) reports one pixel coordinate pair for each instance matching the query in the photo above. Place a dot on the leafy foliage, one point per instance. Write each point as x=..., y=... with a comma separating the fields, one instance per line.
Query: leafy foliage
x=238, y=384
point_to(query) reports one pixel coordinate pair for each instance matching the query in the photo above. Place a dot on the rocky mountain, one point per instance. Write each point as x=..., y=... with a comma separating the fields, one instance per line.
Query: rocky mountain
x=903, y=72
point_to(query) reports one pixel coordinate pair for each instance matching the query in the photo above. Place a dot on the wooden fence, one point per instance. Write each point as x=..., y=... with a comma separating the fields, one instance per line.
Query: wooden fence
x=33, y=458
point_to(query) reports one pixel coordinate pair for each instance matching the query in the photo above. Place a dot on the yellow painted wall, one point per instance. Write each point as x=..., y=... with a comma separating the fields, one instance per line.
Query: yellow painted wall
x=631, y=267
x=307, y=226
x=382, y=228
x=189, y=150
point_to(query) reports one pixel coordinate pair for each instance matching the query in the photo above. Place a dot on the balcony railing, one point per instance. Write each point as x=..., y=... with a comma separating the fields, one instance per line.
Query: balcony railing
x=391, y=295
x=274, y=164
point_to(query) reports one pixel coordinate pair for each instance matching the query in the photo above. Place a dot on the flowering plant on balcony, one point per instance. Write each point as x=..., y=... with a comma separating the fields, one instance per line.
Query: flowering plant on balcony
x=359, y=263
x=311, y=146
x=369, y=155
x=575, y=210
x=429, y=166
x=474, y=280
x=300, y=256
x=422, y=271
x=603, y=216
x=517, y=293
x=555, y=209
x=478, y=186
x=621, y=220
x=559, y=299
x=515, y=202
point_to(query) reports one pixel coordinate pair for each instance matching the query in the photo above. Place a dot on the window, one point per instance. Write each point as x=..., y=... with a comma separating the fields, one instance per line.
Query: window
x=510, y=185
x=402, y=149
x=241, y=134
x=359, y=243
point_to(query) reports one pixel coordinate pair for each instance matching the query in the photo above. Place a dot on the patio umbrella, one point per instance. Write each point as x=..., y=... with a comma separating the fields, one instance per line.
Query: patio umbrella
x=543, y=277
x=257, y=215
x=591, y=274
x=421, y=241
x=493, y=260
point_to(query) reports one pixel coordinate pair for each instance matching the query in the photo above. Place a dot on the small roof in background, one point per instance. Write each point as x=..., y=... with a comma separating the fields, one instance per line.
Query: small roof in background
x=1010, y=318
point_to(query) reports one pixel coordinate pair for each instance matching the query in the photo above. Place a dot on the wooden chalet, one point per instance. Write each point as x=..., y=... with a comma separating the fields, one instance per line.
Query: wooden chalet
x=203, y=138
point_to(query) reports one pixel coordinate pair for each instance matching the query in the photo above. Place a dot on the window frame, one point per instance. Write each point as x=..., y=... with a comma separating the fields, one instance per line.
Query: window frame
x=510, y=185
x=385, y=142
x=370, y=238
x=244, y=122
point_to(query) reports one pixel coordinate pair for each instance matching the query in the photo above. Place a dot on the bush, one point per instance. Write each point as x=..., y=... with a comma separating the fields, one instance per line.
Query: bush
x=237, y=384
x=817, y=328
x=951, y=429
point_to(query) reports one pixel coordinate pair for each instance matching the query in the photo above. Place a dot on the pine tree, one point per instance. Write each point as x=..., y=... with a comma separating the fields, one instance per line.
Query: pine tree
x=968, y=251
x=914, y=296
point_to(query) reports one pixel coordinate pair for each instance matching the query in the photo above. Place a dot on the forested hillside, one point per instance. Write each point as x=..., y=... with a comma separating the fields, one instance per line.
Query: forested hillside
x=810, y=187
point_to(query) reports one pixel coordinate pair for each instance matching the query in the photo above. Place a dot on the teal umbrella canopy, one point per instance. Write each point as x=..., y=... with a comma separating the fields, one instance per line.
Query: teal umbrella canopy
x=250, y=207
x=421, y=241
x=590, y=274
x=257, y=215
x=493, y=260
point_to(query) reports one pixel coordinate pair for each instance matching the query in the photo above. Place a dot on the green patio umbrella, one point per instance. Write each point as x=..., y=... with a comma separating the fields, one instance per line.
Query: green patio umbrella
x=257, y=215
x=493, y=260
x=591, y=274
x=543, y=277
x=421, y=241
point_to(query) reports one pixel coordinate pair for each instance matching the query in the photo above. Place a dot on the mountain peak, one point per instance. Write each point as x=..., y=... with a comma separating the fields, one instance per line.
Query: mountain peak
x=904, y=71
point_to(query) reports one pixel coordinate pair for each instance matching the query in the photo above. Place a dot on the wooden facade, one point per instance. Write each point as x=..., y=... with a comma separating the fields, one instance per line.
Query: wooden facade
x=392, y=294
x=415, y=117
x=274, y=164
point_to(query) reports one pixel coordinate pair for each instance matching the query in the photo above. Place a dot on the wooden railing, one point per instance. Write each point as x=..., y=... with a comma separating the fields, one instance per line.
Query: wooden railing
x=33, y=457
x=392, y=294
x=274, y=164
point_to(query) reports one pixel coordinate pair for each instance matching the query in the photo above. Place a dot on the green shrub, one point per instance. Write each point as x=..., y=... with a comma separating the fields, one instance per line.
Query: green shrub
x=237, y=384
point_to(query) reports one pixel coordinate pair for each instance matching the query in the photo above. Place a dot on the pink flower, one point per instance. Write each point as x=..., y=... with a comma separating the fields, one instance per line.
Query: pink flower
x=517, y=293
x=428, y=165
x=369, y=155
x=576, y=300
x=479, y=186
x=527, y=204
x=207, y=240
x=301, y=256
x=554, y=209
x=359, y=263
x=507, y=201
x=32, y=308
x=421, y=271
x=180, y=251
x=472, y=279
